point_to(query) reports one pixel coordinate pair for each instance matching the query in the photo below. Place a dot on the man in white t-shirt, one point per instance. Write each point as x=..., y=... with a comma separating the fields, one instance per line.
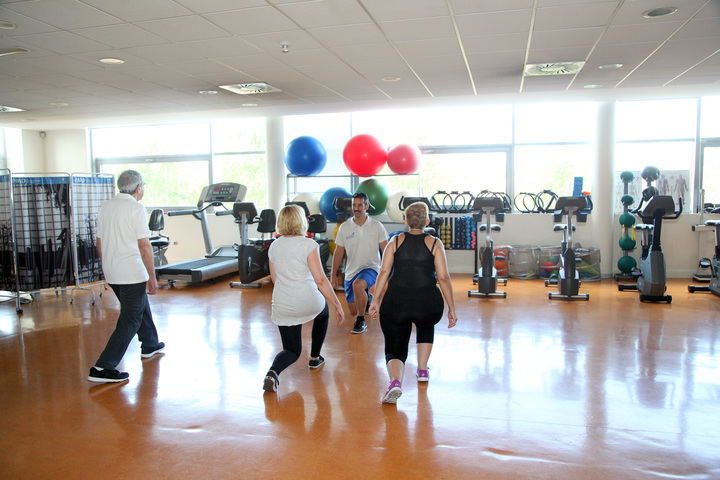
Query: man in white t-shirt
x=362, y=238
x=127, y=261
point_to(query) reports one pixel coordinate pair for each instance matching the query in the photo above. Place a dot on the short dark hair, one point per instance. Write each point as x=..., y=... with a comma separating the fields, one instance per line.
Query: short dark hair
x=366, y=201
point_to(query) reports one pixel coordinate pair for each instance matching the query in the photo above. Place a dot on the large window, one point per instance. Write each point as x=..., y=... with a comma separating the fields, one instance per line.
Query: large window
x=710, y=117
x=465, y=172
x=464, y=148
x=661, y=133
x=521, y=148
x=177, y=161
x=553, y=145
x=333, y=131
x=3, y=152
x=167, y=183
x=148, y=140
x=552, y=167
x=487, y=125
x=238, y=148
x=710, y=149
x=711, y=172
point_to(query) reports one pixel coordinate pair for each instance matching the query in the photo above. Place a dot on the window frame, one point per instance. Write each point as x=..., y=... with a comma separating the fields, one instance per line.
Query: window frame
x=208, y=158
x=712, y=142
x=507, y=149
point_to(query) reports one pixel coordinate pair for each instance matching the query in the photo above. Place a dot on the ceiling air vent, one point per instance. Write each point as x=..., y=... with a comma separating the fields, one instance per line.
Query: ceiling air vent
x=250, y=88
x=558, y=68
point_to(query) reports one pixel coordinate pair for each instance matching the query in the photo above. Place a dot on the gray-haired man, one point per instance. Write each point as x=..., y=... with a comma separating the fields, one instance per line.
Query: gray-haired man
x=127, y=263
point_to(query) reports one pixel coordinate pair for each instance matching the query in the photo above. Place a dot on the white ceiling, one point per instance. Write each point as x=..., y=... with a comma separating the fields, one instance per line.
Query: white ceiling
x=452, y=51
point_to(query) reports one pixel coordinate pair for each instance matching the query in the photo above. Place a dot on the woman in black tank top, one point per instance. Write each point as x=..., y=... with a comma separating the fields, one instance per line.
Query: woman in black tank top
x=412, y=294
x=415, y=264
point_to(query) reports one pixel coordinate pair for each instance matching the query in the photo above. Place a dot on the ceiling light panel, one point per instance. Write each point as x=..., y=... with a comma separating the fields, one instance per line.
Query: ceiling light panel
x=63, y=42
x=494, y=23
x=419, y=29
x=139, y=11
x=6, y=109
x=64, y=15
x=384, y=10
x=339, y=36
x=13, y=51
x=184, y=29
x=473, y=6
x=325, y=13
x=659, y=12
x=249, y=21
x=123, y=35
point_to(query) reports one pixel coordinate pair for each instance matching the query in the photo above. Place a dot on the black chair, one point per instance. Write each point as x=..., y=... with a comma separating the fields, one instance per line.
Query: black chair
x=158, y=241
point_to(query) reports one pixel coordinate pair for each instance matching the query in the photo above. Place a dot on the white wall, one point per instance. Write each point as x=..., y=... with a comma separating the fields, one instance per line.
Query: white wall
x=66, y=151
x=33, y=153
x=14, y=149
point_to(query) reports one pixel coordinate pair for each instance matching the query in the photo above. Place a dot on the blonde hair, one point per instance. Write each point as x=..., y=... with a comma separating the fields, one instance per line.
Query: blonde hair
x=416, y=215
x=291, y=221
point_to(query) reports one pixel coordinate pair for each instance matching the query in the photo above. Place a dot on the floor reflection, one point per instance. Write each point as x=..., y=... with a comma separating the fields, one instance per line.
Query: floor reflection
x=521, y=388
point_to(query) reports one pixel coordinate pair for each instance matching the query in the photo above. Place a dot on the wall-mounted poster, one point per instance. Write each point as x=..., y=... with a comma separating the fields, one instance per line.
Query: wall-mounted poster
x=675, y=183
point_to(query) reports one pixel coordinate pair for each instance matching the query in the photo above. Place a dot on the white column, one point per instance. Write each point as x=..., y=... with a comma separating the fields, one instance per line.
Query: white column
x=603, y=226
x=275, y=162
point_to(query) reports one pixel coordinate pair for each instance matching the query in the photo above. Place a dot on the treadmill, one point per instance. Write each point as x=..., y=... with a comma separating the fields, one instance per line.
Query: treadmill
x=217, y=262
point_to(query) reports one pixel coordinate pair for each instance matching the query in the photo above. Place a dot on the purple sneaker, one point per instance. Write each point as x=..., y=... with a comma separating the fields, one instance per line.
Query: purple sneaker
x=393, y=392
x=423, y=375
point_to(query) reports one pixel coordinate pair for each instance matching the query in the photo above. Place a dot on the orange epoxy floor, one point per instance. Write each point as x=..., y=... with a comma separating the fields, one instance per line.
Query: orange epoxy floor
x=523, y=387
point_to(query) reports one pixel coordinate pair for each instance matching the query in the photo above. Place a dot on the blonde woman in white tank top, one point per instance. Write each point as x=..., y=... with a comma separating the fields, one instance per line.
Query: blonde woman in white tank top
x=301, y=293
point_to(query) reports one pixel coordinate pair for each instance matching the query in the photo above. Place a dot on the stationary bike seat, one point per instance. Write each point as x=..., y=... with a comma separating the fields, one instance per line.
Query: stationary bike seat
x=160, y=241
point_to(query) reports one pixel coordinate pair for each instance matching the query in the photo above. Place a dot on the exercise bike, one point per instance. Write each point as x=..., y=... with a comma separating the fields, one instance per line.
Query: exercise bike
x=568, y=277
x=158, y=241
x=714, y=264
x=435, y=222
x=486, y=278
x=317, y=224
x=253, y=259
x=252, y=255
x=651, y=275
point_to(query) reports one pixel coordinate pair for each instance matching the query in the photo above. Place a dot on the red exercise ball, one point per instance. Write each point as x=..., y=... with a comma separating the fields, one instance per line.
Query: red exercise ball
x=404, y=159
x=364, y=155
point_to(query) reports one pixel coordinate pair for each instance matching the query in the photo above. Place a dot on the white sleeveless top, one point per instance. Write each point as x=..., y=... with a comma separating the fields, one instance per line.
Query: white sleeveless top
x=296, y=298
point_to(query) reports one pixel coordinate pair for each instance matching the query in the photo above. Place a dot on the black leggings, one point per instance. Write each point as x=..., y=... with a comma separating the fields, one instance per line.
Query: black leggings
x=397, y=337
x=292, y=341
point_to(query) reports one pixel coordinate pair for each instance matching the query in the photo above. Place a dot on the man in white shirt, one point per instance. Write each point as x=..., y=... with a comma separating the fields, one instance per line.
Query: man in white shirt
x=127, y=261
x=362, y=238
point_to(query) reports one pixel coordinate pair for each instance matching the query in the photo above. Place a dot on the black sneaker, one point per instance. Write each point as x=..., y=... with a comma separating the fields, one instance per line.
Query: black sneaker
x=107, y=376
x=271, y=382
x=360, y=326
x=149, y=352
x=317, y=362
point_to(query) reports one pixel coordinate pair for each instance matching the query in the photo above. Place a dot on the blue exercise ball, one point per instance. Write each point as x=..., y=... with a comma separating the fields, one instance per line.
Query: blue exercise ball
x=327, y=199
x=394, y=234
x=305, y=156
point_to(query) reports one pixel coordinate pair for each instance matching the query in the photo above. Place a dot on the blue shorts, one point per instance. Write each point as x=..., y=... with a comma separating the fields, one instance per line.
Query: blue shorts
x=368, y=274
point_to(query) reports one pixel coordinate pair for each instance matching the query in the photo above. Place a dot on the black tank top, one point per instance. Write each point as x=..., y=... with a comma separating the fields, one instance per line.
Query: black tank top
x=414, y=264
